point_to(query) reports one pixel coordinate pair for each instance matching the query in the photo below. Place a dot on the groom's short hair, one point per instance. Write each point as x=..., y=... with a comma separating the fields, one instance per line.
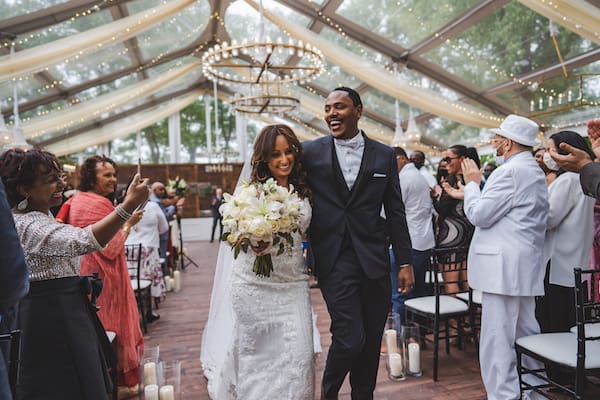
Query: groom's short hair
x=353, y=94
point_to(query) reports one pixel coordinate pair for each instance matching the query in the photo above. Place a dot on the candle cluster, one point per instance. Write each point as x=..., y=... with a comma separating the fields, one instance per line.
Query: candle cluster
x=155, y=382
x=403, y=359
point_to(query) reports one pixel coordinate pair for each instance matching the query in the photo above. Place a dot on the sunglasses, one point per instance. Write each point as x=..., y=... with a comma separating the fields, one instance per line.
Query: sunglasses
x=449, y=159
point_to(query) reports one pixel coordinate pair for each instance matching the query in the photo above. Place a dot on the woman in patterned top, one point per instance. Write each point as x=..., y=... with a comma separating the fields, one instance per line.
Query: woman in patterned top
x=64, y=348
x=453, y=229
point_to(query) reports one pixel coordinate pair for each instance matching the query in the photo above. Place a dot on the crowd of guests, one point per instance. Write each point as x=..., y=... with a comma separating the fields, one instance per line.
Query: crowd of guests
x=65, y=315
x=558, y=232
x=527, y=224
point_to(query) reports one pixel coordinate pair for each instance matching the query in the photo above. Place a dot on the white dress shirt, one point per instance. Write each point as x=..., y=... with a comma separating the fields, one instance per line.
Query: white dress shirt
x=152, y=224
x=429, y=178
x=349, y=153
x=418, y=207
x=569, y=230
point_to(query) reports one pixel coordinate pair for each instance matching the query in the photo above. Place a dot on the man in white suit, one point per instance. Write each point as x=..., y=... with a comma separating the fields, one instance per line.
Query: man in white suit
x=505, y=256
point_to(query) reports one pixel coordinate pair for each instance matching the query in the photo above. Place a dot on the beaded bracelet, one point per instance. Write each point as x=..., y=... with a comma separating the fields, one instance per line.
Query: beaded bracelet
x=122, y=213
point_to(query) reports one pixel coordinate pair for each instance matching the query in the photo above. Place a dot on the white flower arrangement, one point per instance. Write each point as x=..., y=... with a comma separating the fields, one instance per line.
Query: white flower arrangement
x=258, y=214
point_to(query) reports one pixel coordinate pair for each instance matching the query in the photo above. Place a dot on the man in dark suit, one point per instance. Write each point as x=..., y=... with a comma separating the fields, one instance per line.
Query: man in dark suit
x=352, y=177
x=215, y=202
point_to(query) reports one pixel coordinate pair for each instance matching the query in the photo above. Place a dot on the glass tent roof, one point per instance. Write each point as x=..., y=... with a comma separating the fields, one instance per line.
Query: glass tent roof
x=492, y=57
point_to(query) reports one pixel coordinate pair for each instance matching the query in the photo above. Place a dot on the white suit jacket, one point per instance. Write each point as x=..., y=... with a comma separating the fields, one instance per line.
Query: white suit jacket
x=570, y=229
x=506, y=252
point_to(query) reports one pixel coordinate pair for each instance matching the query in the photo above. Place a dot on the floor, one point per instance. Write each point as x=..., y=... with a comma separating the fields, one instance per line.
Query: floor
x=183, y=314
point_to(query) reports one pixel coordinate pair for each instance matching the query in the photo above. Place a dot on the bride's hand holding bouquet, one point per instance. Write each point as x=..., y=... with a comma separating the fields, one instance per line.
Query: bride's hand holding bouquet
x=261, y=216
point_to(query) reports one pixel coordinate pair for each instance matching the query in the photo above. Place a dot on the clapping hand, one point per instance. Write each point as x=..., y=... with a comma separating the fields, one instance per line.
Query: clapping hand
x=471, y=172
x=455, y=193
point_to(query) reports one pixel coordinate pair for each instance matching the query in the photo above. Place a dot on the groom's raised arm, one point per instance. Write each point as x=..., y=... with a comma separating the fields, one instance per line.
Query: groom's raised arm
x=395, y=215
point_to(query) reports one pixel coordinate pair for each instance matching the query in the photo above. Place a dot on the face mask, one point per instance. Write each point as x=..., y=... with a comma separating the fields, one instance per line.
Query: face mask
x=550, y=163
x=499, y=158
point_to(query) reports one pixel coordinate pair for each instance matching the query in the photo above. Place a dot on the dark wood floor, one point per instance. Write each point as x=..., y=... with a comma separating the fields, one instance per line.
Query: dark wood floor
x=183, y=314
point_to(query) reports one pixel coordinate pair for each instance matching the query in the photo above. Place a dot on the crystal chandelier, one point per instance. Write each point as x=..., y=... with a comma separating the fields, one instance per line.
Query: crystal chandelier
x=262, y=62
x=259, y=70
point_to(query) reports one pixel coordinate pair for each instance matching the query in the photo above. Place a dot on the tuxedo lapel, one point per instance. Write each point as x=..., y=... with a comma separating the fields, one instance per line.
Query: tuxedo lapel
x=366, y=166
x=336, y=171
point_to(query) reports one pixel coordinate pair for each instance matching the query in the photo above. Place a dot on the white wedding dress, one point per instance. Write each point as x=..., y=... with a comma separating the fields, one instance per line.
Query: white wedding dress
x=261, y=345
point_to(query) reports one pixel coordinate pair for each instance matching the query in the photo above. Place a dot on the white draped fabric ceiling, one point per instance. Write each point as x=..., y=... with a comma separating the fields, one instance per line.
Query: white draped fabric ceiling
x=82, y=85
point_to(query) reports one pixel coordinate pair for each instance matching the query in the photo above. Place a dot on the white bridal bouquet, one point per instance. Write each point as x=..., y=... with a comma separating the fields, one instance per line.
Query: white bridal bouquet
x=256, y=213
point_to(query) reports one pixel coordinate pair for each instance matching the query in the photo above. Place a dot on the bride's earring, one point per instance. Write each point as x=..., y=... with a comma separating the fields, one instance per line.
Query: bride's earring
x=23, y=204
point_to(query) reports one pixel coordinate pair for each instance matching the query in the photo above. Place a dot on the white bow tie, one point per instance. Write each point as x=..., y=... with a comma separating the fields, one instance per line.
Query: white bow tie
x=353, y=144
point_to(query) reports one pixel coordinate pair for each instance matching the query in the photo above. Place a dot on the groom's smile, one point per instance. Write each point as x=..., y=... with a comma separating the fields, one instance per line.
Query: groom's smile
x=341, y=115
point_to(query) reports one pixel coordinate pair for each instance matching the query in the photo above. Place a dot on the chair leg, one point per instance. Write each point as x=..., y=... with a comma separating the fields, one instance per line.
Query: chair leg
x=520, y=372
x=436, y=338
x=142, y=312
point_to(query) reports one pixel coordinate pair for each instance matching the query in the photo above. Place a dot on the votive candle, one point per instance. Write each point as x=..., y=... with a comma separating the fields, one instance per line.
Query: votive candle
x=414, y=358
x=396, y=367
x=167, y=392
x=391, y=341
x=151, y=392
x=150, y=374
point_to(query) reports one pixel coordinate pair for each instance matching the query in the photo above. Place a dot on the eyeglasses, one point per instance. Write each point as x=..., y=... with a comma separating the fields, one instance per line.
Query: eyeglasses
x=449, y=159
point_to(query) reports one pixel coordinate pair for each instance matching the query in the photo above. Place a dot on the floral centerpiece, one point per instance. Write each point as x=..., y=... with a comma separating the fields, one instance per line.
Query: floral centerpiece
x=179, y=185
x=261, y=214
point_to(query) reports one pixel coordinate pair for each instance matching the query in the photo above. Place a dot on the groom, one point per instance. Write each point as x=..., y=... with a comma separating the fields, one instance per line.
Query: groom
x=352, y=177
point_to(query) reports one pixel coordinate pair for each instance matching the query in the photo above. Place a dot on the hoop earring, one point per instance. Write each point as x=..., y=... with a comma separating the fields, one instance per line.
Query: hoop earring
x=23, y=204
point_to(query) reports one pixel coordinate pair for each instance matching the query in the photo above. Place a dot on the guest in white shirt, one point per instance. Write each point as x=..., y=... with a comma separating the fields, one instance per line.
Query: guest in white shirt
x=147, y=232
x=505, y=256
x=419, y=211
x=569, y=237
x=418, y=159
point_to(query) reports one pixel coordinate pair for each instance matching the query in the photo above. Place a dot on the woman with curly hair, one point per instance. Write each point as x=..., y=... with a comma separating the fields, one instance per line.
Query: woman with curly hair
x=270, y=319
x=65, y=351
x=118, y=307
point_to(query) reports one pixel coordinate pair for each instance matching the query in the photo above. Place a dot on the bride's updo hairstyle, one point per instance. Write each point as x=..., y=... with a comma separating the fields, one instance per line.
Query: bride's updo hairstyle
x=263, y=147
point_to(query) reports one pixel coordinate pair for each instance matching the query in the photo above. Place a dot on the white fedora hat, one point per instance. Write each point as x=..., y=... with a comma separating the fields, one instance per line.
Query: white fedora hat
x=519, y=129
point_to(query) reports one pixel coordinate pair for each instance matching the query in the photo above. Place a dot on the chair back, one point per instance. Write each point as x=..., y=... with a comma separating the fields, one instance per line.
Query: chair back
x=587, y=313
x=445, y=261
x=11, y=343
x=133, y=255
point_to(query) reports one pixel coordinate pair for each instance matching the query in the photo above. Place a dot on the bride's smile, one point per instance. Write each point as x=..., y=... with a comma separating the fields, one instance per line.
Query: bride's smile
x=281, y=160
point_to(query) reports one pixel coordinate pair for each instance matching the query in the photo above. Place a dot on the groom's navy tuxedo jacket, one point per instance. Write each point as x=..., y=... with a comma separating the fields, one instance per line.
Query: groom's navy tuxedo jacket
x=339, y=213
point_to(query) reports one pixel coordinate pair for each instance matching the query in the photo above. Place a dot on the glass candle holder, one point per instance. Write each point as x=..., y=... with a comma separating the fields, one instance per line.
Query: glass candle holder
x=149, y=366
x=411, y=350
x=169, y=380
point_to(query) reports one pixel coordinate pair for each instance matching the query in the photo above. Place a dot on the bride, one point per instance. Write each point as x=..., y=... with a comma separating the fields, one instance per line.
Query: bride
x=258, y=340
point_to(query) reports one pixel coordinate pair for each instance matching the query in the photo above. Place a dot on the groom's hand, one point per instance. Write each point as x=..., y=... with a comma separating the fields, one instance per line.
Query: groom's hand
x=406, y=279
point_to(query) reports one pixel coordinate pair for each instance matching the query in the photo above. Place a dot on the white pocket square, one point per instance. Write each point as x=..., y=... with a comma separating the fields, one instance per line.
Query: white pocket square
x=378, y=175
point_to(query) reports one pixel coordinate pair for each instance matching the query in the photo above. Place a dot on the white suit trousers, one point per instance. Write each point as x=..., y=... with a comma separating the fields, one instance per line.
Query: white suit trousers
x=503, y=320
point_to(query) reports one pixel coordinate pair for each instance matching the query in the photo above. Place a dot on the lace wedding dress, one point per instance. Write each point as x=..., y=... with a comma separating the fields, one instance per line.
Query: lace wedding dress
x=270, y=351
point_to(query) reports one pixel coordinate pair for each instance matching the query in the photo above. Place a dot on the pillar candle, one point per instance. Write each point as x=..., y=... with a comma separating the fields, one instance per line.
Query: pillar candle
x=177, y=279
x=150, y=374
x=391, y=341
x=167, y=393
x=414, y=358
x=396, y=367
x=168, y=283
x=151, y=392
x=172, y=284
